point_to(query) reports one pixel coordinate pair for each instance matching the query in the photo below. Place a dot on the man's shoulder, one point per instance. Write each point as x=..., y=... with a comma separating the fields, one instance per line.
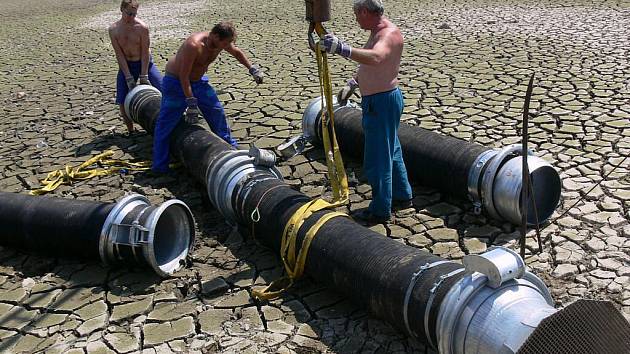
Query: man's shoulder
x=391, y=32
x=114, y=27
x=142, y=24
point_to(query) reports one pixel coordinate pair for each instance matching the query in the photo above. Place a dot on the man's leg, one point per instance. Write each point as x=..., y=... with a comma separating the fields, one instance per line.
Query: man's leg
x=171, y=110
x=121, y=93
x=401, y=189
x=377, y=159
x=212, y=110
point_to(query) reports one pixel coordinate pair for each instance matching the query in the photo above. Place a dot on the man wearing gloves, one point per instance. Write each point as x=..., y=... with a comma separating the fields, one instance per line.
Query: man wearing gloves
x=382, y=105
x=130, y=39
x=186, y=88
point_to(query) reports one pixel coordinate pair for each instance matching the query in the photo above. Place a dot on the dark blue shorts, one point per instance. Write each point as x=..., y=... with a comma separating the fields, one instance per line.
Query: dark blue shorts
x=155, y=78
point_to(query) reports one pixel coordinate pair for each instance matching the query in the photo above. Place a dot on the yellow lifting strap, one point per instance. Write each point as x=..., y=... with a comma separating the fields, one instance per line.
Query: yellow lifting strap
x=86, y=170
x=334, y=161
x=294, y=265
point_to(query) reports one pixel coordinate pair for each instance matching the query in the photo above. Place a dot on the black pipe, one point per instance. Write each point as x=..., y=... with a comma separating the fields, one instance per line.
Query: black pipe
x=129, y=232
x=445, y=168
x=56, y=226
x=490, y=178
x=400, y=284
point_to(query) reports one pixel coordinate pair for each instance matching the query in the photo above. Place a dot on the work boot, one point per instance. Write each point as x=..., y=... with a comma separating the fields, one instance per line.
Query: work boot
x=366, y=216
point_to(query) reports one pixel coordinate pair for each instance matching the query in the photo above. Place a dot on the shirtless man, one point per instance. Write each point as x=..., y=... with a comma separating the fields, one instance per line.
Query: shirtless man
x=382, y=105
x=130, y=39
x=186, y=88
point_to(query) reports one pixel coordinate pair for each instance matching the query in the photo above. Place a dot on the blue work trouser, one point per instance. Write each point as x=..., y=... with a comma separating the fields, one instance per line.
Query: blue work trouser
x=383, y=163
x=172, y=108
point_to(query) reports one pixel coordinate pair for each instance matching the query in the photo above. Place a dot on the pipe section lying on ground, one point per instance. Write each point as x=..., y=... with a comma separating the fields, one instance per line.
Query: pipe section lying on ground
x=447, y=305
x=492, y=179
x=128, y=232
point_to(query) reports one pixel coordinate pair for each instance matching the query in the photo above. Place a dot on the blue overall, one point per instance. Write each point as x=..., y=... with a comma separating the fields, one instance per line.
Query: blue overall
x=155, y=78
x=383, y=163
x=172, y=108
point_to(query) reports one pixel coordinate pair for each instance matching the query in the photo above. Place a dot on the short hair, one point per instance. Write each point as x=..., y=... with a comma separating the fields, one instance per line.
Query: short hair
x=225, y=30
x=129, y=3
x=373, y=6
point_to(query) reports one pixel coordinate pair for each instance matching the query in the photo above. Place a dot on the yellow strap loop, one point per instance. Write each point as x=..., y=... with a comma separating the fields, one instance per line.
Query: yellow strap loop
x=69, y=174
x=294, y=265
x=334, y=161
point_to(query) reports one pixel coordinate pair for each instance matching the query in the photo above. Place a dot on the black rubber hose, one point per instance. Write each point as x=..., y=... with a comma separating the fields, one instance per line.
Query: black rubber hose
x=60, y=227
x=432, y=159
x=369, y=268
x=374, y=270
x=190, y=144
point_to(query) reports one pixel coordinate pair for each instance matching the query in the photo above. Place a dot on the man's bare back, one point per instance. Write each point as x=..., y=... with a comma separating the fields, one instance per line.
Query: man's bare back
x=381, y=76
x=206, y=52
x=129, y=38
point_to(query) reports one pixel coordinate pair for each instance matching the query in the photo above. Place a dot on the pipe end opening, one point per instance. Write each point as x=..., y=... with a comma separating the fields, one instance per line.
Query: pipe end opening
x=173, y=237
x=544, y=194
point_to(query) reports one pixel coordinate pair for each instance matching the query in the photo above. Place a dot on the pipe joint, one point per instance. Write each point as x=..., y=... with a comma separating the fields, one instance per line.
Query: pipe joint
x=311, y=119
x=156, y=236
x=229, y=171
x=497, y=292
x=495, y=183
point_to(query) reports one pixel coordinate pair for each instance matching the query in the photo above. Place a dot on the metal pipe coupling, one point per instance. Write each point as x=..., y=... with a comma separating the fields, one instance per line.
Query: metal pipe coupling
x=494, y=308
x=231, y=169
x=311, y=119
x=156, y=236
x=136, y=98
x=495, y=183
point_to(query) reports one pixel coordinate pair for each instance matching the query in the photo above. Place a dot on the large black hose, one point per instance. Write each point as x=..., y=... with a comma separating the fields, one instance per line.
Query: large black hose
x=127, y=232
x=369, y=268
x=403, y=285
x=56, y=226
x=490, y=178
x=445, y=168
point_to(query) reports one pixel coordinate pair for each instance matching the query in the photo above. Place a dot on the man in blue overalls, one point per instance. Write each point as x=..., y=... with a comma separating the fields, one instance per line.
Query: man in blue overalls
x=130, y=39
x=186, y=88
x=382, y=105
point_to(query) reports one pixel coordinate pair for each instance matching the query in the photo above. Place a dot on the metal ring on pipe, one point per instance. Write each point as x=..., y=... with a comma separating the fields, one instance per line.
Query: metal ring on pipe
x=225, y=173
x=312, y=117
x=412, y=284
x=162, y=241
x=490, y=270
x=130, y=96
x=474, y=180
x=489, y=175
x=427, y=309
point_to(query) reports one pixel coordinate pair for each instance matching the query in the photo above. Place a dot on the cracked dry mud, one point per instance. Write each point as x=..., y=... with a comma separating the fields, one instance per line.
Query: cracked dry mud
x=464, y=72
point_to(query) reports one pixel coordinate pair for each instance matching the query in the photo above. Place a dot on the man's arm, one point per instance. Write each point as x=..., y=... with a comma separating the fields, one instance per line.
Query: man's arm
x=120, y=56
x=237, y=53
x=144, y=47
x=377, y=54
x=254, y=70
x=185, y=59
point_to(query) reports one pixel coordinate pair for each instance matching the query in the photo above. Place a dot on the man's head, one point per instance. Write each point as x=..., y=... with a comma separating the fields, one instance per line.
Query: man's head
x=373, y=6
x=223, y=34
x=129, y=8
x=367, y=12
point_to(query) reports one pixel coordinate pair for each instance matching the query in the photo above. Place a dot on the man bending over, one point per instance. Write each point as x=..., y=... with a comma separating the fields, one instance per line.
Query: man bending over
x=186, y=88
